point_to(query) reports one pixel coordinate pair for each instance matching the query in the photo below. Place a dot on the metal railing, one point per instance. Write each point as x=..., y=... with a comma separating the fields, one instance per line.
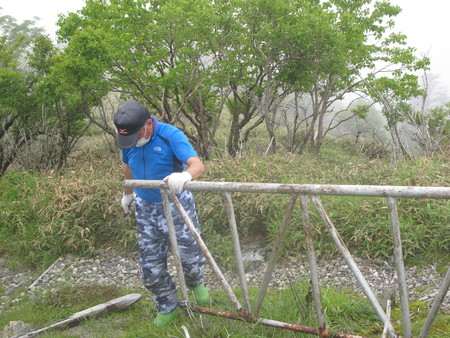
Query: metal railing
x=306, y=193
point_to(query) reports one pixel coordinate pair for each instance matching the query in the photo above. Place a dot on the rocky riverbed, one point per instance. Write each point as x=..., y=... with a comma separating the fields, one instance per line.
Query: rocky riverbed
x=107, y=268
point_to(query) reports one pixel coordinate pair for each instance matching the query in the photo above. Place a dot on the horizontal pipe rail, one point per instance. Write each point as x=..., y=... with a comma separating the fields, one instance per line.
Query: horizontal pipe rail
x=305, y=189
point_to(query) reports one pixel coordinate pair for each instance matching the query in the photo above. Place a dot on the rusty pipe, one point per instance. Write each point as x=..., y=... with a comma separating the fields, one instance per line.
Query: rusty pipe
x=269, y=322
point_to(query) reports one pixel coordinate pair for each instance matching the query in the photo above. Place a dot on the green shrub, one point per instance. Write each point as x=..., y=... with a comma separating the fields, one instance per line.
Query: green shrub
x=76, y=211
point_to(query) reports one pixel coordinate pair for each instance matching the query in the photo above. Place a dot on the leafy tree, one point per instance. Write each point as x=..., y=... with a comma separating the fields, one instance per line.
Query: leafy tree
x=157, y=52
x=439, y=122
x=350, y=49
x=393, y=94
x=188, y=59
x=250, y=60
x=17, y=105
x=16, y=39
x=430, y=127
x=46, y=94
x=241, y=81
x=70, y=83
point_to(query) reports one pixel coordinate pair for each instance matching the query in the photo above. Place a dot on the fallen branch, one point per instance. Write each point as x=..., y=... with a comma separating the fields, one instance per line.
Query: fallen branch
x=95, y=311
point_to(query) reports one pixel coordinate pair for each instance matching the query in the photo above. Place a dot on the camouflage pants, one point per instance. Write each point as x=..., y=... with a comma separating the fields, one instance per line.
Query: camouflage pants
x=153, y=239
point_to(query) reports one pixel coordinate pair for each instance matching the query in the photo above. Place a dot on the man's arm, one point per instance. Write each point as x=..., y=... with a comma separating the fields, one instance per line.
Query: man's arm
x=177, y=181
x=128, y=176
x=195, y=167
x=128, y=196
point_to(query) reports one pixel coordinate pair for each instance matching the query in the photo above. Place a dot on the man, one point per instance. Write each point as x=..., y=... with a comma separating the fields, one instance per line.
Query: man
x=153, y=150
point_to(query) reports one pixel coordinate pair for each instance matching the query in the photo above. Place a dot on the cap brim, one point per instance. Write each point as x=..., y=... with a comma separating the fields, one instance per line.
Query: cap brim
x=127, y=141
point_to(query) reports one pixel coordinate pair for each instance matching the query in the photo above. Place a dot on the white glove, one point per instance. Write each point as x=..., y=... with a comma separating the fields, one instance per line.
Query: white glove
x=176, y=181
x=127, y=199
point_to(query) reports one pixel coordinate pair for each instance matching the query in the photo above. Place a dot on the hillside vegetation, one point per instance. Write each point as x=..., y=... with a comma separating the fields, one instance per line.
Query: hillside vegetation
x=77, y=210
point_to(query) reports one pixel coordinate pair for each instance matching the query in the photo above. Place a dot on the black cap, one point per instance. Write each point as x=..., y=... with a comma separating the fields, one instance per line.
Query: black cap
x=129, y=119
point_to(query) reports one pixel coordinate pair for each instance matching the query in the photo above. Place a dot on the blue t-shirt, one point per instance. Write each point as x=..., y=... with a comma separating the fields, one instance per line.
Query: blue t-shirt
x=165, y=153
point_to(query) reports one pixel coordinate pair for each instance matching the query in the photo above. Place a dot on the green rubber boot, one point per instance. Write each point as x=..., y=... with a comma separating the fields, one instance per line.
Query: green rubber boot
x=201, y=294
x=162, y=320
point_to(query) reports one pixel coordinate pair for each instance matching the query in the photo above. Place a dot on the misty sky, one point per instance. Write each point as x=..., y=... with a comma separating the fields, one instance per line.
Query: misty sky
x=424, y=22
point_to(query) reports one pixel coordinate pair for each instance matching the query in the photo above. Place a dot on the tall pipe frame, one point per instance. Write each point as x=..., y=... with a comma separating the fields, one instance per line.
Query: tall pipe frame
x=305, y=192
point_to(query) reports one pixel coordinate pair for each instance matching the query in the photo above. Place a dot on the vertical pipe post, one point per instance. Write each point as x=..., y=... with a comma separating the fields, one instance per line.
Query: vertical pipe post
x=206, y=252
x=436, y=305
x=274, y=256
x=388, y=315
x=400, y=266
x=237, y=251
x=174, y=243
x=312, y=262
x=352, y=264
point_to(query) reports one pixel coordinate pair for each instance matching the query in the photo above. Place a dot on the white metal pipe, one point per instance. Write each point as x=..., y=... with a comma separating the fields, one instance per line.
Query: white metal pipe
x=274, y=256
x=352, y=264
x=237, y=251
x=206, y=252
x=400, y=267
x=305, y=189
x=436, y=305
x=174, y=243
x=388, y=321
x=312, y=261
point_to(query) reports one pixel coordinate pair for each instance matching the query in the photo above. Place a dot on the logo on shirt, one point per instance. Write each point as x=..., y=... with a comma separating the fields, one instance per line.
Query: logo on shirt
x=157, y=149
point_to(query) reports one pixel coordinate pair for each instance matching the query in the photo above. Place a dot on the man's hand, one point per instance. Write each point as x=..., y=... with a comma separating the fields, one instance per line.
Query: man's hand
x=127, y=199
x=176, y=181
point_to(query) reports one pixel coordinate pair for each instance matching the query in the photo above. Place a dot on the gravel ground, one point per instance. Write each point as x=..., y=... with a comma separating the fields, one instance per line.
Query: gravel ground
x=109, y=269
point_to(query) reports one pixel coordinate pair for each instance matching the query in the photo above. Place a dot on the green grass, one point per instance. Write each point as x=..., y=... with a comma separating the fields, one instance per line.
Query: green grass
x=345, y=312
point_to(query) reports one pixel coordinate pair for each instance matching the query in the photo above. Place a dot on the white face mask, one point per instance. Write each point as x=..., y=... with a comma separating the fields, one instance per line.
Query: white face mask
x=142, y=141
